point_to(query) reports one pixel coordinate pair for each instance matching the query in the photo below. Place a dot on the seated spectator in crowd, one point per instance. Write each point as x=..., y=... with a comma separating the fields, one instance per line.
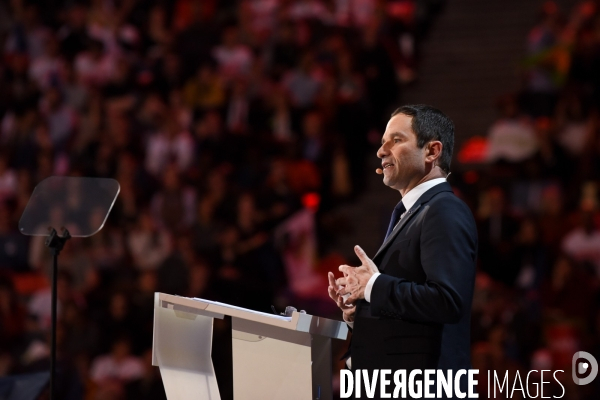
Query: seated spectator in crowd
x=158, y=34
x=61, y=118
x=39, y=304
x=497, y=229
x=205, y=90
x=173, y=207
x=119, y=366
x=116, y=321
x=106, y=247
x=551, y=221
x=174, y=273
x=95, y=67
x=47, y=69
x=303, y=83
x=550, y=160
x=75, y=93
x=8, y=179
x=170, y=145
x=309, y=9
x=542, y=83
x=148, y=245
x=29, y=34
x=512, y=137
x=568, y=290
x=204, y=231
x=582, y=244
x=13, y=315
x=574, y=125
x=238, y=108
x=200, y=280
x=355, y=12
x=73, y=34
x=234, y=58
x=530, y=257
x=285, y=51
x=149, y=385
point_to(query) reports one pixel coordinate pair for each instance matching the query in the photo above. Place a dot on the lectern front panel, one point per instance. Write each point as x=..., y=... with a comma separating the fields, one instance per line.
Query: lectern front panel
x=270, y=363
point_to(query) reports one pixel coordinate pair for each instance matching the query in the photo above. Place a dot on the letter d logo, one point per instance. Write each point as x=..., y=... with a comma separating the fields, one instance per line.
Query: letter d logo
x=583, y=367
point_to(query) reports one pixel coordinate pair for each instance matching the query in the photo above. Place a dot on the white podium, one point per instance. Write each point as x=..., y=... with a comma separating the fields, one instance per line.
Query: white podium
x=274, y=357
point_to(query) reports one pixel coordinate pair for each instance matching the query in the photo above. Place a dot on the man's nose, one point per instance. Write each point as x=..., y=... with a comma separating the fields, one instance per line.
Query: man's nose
x=382, y=151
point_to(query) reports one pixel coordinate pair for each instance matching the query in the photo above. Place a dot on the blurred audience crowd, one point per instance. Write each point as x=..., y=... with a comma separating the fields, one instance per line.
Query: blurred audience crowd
x=233, y=128
x=533, y=184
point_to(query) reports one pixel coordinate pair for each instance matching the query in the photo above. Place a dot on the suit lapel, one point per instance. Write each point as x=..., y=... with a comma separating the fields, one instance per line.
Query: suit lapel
x=425, y=197
x=398, y=227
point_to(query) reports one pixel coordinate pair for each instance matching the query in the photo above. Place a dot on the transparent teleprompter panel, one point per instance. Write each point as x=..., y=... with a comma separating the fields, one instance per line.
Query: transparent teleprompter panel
x=78, y=204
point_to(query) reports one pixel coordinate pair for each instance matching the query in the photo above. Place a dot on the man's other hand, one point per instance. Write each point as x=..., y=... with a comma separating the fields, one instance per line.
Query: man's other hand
x=347, y=309
x=356, y=278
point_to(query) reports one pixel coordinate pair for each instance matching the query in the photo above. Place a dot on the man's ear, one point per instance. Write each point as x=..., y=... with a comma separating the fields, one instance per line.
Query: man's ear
x=434, y=151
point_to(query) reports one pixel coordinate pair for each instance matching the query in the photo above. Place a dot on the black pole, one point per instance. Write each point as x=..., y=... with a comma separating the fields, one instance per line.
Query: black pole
x=53, y=324
x=56, y=244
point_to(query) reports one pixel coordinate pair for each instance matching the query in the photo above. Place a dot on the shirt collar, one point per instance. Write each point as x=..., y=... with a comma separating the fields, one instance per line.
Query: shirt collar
x=413, y=194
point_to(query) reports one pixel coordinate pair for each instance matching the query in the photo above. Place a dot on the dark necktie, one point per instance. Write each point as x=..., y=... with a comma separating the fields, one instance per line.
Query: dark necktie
x=398, y=211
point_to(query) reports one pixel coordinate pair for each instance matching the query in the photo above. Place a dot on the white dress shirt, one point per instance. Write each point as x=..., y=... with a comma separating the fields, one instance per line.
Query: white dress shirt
x=408, y=201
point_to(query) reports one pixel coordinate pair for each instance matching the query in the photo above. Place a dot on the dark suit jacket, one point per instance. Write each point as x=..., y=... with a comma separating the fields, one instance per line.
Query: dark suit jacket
x=420, y=309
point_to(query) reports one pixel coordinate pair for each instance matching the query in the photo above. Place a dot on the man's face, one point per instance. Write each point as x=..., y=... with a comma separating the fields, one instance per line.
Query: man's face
x=402, y=161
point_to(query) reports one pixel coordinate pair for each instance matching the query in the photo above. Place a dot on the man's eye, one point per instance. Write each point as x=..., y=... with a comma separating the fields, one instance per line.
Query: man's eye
x=396, y=140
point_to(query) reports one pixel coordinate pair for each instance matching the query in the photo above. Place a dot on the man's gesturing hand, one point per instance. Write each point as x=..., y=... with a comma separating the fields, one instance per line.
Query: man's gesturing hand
x=356, y=278
x=348, y=310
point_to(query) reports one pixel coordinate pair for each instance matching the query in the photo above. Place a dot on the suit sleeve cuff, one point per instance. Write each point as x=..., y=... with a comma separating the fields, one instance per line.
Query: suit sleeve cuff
x=369, y=286
x=382, y=293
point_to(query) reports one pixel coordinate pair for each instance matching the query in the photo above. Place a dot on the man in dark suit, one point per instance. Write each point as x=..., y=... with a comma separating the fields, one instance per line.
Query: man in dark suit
x=410, y=306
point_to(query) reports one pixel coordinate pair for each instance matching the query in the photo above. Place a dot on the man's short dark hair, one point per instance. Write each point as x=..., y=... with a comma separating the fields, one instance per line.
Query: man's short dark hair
x=430, y=124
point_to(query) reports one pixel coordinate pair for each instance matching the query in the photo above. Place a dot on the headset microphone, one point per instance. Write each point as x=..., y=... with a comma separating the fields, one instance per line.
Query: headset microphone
x=379, y=171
